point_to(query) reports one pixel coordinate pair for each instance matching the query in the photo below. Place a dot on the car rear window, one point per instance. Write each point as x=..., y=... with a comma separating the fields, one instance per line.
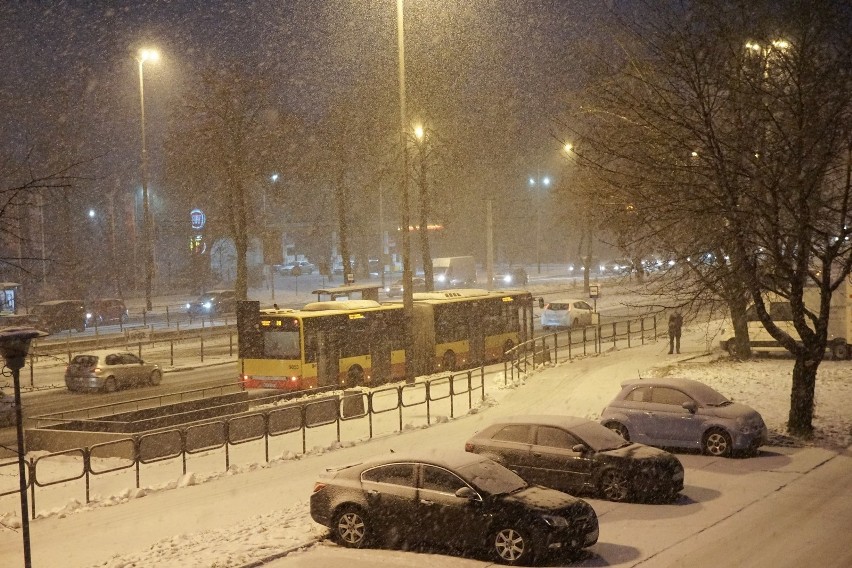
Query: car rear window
x=88, y=360
x=557, y=306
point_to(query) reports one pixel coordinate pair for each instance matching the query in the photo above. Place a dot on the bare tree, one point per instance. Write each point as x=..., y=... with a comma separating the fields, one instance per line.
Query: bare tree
x=727, y=129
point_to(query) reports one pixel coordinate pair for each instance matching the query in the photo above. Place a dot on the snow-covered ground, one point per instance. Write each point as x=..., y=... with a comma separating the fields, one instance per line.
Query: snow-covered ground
x=255, y=510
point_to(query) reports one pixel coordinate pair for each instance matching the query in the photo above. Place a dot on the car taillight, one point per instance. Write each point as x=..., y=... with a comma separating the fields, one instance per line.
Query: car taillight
x=319, y=486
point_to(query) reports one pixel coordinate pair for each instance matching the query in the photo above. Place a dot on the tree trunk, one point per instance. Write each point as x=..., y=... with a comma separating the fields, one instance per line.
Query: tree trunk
x=737, y=307
x=800, y=420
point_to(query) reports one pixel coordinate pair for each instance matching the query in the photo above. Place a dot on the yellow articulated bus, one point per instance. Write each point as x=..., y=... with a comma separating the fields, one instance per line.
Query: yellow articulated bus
x=361, y=342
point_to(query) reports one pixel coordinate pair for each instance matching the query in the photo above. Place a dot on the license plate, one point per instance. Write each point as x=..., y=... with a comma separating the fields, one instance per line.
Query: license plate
x=270, y=385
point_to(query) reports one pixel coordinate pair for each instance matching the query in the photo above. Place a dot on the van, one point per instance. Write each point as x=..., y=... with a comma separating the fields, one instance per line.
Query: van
x=839, y=322
x=58, y=315
x=454, y=272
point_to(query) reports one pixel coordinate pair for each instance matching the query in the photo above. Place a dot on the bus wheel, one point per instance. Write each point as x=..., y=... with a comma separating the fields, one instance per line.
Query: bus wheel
x=840, y=351
x=506, y=348
x=355, y=376
x=448, y=363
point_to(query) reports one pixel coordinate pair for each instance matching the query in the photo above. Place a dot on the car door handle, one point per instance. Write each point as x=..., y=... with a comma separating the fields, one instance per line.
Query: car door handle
x=536, y=454
x=649, y=413
x=426, y=502
x=372, y=492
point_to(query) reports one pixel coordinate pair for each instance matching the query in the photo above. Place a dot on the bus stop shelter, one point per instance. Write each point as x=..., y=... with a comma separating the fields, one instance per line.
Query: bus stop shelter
x=365, y=292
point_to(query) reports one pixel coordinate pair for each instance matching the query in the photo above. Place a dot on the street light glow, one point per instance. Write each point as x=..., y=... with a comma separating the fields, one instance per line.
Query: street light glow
x=274, y=177
x=148, y=55
x=546, y=180
x=418, y=132
x=568, y=147
x=91, y=213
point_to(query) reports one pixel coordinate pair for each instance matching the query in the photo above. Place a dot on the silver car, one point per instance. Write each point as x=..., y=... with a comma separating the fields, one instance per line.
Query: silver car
x=111, y=372
x=566, y=313
x=682, y=413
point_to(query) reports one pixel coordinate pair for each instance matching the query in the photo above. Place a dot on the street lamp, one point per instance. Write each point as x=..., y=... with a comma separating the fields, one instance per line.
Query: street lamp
x=407, y=280
x=533, y=182
x=148, y=232
x=420, y=136
x=14, y=345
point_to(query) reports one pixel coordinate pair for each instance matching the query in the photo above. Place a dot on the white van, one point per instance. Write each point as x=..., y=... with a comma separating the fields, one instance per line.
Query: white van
x=839, y=322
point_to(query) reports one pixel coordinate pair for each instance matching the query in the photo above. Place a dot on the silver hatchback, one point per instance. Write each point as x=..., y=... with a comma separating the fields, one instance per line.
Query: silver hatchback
x=111, y=372
x=682, y=413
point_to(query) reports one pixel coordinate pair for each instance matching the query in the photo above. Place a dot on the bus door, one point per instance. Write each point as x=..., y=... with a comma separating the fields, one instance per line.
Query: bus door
x=380, y=353
x=328, y=359
x=476, y=333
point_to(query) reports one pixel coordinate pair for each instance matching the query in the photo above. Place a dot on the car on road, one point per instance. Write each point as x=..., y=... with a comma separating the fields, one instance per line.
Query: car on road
x=455, y=500
x=111, y=372
x=394, y=290
x=577, y=455
x=512, y=277
x=7, y=409
x=58, y=315
x=213, y=303
x=566, y=313
x=106, y=311
x=296, y=268
x=683, y=413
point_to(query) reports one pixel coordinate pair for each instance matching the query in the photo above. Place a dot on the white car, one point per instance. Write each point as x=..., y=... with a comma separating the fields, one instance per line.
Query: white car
x=566, y=313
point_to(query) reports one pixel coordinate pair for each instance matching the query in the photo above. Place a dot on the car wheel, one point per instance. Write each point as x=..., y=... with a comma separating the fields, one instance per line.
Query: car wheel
x=840, y=351
x=511, y=546
x=613, y=485
x=155, y=378
x=448, y=361
x=110, y=385
x=717, y=442
x=355, y=376
x=351, y=528
x=619, y=429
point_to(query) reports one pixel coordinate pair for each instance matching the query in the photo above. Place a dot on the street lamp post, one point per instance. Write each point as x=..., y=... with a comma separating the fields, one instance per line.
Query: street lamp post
x=420, y=136
x=147, y=232
x=14, y=345
x=533, y=182
x=407, y=280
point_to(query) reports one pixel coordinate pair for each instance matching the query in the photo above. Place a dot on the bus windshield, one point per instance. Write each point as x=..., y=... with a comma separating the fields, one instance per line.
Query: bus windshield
x=280, y=344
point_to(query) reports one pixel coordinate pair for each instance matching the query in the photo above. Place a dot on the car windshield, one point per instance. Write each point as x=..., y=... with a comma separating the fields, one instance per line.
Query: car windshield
x=598, y=437
x=491, y=478
x=707, y=396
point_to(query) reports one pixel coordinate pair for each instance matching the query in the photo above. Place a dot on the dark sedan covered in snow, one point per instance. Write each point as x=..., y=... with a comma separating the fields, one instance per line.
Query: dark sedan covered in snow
x=577, y=455
x=456, y=500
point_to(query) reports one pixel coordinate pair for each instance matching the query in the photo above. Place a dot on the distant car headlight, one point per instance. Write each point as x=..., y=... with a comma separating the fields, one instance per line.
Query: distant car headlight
x=507, y=279
x=88, y=316
x=441, y=278
x=188, y=306
x=555, y=520
x=208, y=305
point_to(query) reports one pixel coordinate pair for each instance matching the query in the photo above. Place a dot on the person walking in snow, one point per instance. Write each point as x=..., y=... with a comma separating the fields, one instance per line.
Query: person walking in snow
x=675, y=325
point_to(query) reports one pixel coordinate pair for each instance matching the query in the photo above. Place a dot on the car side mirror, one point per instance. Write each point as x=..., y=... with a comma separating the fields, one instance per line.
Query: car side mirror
x=580, y=448
x=690, y=405
x=467, y=493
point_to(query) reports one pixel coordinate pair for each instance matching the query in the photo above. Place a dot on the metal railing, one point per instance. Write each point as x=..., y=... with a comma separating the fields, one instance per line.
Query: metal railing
x=349, y=406
x=568, y=344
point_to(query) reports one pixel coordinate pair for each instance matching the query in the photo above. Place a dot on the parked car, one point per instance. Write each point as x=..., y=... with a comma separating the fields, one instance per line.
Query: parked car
x=394, y=290
x=566, y=313
x=456, y=500
x=110, y=372
x=296, y=268
x=7, y=409
x=577, y=455
x=682, y=413
x=107, y=311
x=214, y=302
x=513, y=277
x=58, y=315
